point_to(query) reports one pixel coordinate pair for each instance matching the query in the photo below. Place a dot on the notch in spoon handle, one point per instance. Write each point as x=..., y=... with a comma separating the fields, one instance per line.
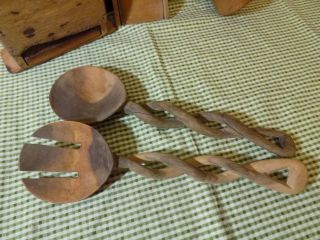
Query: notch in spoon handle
x=284, y=145
x=257, y=172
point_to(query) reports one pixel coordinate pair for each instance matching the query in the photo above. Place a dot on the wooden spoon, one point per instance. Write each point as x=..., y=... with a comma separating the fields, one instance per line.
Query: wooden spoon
x=91, y=94
x=93, y=162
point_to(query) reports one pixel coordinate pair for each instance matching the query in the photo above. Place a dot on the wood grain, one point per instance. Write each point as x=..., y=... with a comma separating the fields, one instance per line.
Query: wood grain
x=257, y=172
x=93, y=162
x=87, y=94
x=25, y=25
x=283, y=146
x=140, y=11
x=44, y=52
x=10, y=63
x=91, y=94
x=23, y=34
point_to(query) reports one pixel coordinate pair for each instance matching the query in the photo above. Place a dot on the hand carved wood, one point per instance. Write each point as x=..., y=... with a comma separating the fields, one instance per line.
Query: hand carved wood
x=94, y=161
x=91, y=94
x=257, y=172
x=284, y=145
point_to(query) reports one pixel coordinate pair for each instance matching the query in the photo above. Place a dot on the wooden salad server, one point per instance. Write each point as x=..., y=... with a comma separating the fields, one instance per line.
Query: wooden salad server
x=94, y=162
x=91, y=94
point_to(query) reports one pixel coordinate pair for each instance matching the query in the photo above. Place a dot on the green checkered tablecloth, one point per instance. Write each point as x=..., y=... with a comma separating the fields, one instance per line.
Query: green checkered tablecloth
x=262, y=66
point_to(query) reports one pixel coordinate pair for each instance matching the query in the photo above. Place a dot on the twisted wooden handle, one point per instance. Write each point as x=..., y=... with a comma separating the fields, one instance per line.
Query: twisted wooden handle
x=284, y=145
x=256, y=171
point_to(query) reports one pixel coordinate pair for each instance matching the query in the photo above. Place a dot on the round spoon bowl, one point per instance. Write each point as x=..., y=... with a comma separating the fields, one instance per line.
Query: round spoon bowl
x=87, y=94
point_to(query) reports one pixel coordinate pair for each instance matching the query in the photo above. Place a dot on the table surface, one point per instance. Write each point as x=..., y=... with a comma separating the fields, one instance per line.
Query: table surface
x=261, y=65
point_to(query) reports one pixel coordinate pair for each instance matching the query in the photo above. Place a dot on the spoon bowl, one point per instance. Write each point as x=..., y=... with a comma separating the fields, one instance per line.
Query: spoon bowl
x=87, y=94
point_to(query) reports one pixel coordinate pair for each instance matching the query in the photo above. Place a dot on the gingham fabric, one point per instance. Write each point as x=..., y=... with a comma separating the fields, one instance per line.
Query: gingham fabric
x=261, y=65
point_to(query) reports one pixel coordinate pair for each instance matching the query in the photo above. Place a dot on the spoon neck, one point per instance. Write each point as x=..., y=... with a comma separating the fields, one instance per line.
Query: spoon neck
x=121, y=163
x=131, y=107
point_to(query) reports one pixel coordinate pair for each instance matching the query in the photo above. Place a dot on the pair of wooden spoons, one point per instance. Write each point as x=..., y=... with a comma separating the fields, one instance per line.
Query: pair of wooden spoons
x=94, y=162
x=91, y=94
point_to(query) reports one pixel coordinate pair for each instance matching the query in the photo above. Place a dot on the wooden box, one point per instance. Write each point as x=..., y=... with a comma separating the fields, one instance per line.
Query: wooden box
x=139, y=11
x=33, y=32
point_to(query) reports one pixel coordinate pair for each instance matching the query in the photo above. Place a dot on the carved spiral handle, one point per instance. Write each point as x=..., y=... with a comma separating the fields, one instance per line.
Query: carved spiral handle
x=256, y=171
x=284, y=145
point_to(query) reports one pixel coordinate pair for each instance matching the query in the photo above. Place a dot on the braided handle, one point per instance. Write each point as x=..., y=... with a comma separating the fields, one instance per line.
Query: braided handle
x=257, y=172
x=284, y=145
